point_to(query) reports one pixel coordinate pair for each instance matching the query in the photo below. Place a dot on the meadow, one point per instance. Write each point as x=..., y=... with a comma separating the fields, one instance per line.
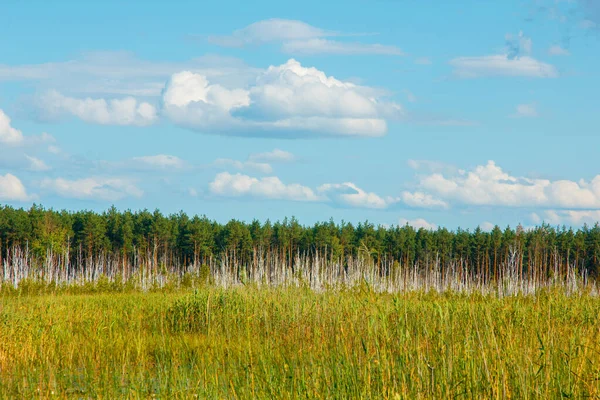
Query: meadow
x=142, y=305
x=247, y=341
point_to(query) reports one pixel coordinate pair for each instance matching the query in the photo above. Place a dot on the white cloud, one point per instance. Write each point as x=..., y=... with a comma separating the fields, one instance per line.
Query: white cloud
x=12, y=189
x=161, y=161
x=285, y=100
x=325, y=126
x=568, y=217
x=502, y=65
x=526, y=111
x=422, y=200
x=264, y=168
x=187, y=87
x=417, y=223
x=8, y=134
x=260, y=162
x=102, y=65
x=326, y=46
x=489, y=185
x=298, y=37
x=274, y=156
x=126, y=111
x=121, y=73
x=35, y=164
x=487, y=226
x=189, y=100
x=535, y=218
x=291, y=90
x=515, y=61
x=18, y=161
x=238, y=185
x=351, y=195
x=553, y=217
x=557, y=50
x=348, y=194
x=270, y=30
x=95, y=188
x=16, y=148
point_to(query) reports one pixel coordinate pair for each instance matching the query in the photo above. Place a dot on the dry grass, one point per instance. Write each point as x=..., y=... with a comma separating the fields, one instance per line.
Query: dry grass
x=297, y=343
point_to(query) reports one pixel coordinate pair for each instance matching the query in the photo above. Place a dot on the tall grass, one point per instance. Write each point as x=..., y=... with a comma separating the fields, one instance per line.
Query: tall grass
x=249, y=342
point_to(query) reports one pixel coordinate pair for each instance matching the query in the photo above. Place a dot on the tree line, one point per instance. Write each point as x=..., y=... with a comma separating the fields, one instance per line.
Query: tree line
x=180, y=240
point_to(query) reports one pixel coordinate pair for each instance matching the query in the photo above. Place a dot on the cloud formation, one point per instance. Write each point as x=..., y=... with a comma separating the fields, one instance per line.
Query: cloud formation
x=36, y=165
x=8, y=134
x=573, y=217
x=119, y=73
x=93, y=188
x=297, y=37
x=274, y=156
x=259, y=162
x=501, y=65
x=516, y=61
x=345, y=194
x=12, y=189
x=349, y=194
x=422, y=200
x=161, y=161
x=489, y=185
x=269, y=30
x=417, y=223
x=261, y=167
x=526, y=111
x=19, y=152
x=286, y=101
x=487, y=226
x=325, y=46
x=238, y=185
x=125, y=111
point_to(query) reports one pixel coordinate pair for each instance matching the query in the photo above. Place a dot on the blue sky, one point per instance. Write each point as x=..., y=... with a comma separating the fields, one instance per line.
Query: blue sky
x=448, y=114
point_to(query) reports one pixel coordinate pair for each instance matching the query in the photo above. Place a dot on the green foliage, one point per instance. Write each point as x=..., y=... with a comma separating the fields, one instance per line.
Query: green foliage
x=178, y=241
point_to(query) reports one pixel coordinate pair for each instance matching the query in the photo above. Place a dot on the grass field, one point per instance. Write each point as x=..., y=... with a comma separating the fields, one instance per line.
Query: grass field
x=295, y=343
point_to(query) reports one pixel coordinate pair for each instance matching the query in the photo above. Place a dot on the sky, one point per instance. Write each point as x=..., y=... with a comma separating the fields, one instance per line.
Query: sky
x=428, y=113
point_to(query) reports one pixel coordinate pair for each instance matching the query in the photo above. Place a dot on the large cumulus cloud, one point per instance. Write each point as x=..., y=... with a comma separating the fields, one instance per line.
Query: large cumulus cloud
x=288, y=100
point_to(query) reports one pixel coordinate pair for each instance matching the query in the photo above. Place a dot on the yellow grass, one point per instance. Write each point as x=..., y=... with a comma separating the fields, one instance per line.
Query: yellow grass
x=295, y=343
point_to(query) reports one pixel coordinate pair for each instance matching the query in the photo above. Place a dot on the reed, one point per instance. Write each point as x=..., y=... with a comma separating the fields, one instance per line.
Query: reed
x=294, y=342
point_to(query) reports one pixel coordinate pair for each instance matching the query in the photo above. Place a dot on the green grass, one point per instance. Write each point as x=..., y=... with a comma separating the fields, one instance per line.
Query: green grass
x=295, y=343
